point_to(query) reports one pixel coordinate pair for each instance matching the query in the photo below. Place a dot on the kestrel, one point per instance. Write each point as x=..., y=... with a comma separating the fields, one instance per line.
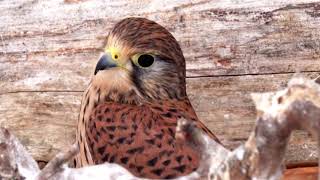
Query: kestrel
x=130, y=110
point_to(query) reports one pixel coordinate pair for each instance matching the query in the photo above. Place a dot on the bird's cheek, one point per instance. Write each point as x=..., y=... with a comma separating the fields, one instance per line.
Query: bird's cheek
x=128, y=66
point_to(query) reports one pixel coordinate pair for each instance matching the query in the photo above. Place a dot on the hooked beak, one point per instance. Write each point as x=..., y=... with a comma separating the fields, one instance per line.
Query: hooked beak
x=105, y=62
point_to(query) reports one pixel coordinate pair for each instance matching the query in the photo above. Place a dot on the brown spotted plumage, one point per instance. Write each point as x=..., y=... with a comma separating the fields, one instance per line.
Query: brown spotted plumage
x=130, y=110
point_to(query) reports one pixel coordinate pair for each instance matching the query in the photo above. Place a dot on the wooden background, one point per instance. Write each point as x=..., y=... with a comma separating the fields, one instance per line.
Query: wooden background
x=48, y=50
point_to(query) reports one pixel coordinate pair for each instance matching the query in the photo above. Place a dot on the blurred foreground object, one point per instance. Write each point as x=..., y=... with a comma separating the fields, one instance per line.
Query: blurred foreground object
x=261, y=157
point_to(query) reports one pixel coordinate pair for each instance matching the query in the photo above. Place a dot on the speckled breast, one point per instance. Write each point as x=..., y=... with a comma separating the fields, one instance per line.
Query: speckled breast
x=140, y=138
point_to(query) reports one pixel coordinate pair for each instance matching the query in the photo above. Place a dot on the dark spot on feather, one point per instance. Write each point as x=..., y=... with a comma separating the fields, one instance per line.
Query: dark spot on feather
x=134, y=150
x=152, y=162
x=194, y=169
x=134, y=118
x=121, y=140
x=170, y=141
x=149, y=125
x=169, y=153
x=123, y=117
x=157, y=108
x=132, y=134
x=124, y=160
x=180, y=168
x=132, y=166
x=134, y=126
x=104, y=131
x=122, y=127
x=171, y=132
x=179, y=158
x=98, y=135
x=168, y=115
x=158, y=172
x=189, y=158
x=98, y=92
x=121, y=98
x=132, y=93
x=139, y=168
x=100, y=117
x=96, y=138
x=112, y=158
x=105, y=157
x=101, y=150
x=107, y=98
x=95, y=104
x=130, y=141
x=173, y=110
x=159, y=136
x=111, y=128
x=170, y=176
x=166, y=163
x=92, y=144
x=150, y=141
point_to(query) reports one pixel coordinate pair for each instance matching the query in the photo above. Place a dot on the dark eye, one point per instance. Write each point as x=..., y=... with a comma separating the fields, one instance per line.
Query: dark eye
x=145, y=60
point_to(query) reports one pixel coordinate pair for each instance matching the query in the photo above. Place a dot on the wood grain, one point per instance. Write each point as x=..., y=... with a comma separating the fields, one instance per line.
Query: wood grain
x=307, y=173
x=43, y=121
x=48, y=50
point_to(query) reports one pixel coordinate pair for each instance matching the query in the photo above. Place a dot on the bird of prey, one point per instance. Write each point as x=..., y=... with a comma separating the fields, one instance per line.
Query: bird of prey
x=130, y=110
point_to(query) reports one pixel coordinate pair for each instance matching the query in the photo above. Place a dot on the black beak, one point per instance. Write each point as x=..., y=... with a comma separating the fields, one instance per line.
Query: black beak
x=105, y=62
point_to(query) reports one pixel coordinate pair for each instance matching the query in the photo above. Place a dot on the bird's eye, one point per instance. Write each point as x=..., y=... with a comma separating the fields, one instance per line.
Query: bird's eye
x=143, y=60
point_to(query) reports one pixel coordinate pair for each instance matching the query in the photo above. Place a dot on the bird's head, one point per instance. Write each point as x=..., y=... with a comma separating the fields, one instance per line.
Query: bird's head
x=141, y=56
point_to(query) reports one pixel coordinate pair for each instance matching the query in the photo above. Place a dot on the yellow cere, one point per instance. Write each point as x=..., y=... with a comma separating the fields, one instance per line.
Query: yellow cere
x=115, y=54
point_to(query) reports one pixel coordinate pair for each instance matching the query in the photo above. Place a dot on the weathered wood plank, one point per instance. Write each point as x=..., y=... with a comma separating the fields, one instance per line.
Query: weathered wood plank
x=49, y=45
x=45, y=121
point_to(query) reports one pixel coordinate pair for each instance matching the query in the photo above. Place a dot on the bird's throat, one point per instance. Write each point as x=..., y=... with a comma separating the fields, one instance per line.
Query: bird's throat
x=112, y=85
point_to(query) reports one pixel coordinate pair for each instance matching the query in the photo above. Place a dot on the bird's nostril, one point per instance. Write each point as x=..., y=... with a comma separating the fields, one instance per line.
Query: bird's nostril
x=105, y=62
